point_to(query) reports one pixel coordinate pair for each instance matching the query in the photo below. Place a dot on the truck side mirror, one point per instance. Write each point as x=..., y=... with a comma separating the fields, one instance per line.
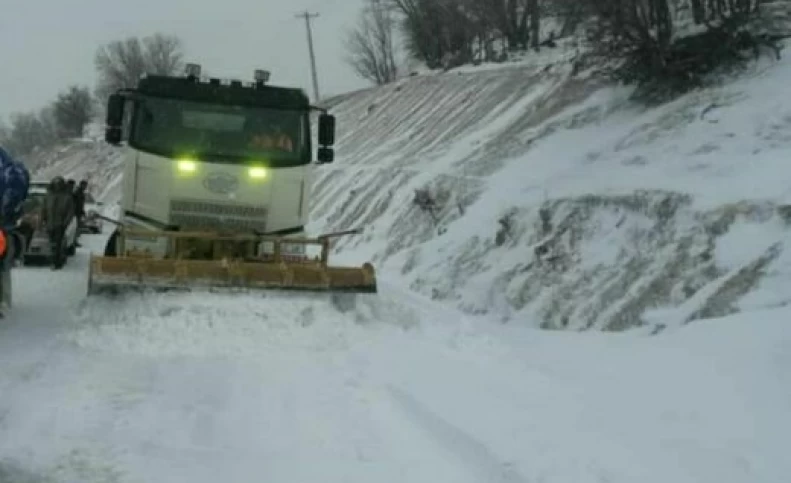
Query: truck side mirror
x=325, y=155
x=115, y=119
x=326, y=129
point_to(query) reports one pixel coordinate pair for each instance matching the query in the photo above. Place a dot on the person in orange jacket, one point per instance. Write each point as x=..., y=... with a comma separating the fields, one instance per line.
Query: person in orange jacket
x=273, y=138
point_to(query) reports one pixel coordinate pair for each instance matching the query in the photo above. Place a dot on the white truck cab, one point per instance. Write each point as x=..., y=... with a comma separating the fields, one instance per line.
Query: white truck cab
x=222, y=156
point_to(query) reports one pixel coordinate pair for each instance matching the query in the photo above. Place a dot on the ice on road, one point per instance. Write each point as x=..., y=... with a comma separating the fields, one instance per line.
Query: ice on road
x=208, y=387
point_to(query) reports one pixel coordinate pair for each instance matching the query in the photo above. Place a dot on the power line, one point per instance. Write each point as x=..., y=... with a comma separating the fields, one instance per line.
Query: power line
x=308, y=16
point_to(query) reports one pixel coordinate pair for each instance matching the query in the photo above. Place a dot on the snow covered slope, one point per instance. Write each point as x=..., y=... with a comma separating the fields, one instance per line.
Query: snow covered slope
x=89, y=158
x=558, y=202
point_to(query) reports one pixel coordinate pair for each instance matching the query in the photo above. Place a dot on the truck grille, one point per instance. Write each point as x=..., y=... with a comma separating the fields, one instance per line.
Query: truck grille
x=201, y=214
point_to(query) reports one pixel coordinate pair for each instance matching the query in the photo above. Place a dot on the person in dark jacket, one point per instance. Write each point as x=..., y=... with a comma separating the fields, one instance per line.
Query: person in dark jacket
x=79, y=205
x=56, y=215
x=79, y=199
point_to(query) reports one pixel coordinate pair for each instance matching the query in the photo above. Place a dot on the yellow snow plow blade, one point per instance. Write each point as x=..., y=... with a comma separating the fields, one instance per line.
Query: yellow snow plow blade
x=135, y=269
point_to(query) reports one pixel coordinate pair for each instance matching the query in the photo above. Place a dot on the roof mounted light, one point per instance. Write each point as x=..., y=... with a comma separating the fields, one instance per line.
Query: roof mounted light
x=261, y=76
x=192, y=70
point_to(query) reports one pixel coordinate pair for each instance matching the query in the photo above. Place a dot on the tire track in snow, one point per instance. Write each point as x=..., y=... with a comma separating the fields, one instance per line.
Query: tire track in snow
x=482, y=462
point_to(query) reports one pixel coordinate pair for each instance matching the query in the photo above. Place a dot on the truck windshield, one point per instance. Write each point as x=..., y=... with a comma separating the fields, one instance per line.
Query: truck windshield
x=221, y=133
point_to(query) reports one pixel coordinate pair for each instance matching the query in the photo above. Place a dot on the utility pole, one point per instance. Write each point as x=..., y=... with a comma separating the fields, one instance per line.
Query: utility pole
x=307, y=16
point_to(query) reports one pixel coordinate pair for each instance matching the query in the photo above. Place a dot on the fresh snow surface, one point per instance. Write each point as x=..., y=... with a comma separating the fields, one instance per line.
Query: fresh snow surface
x=215, y=387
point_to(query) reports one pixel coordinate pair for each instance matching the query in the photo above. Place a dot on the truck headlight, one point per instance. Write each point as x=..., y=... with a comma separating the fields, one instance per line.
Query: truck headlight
x=257, y=172
x=186, y=165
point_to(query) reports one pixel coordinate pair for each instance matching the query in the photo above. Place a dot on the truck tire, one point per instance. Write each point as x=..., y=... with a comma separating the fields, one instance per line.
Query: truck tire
x=111, y=248
x=64, y=253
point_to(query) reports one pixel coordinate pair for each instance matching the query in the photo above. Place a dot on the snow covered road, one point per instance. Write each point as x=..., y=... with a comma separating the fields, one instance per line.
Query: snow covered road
x=207, y=388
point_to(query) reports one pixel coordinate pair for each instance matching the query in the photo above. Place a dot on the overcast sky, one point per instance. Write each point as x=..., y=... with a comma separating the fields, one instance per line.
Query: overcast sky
x=46, y=45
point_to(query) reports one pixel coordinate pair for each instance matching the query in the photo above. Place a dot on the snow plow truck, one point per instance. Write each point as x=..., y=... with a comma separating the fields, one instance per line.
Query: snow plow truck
x=216, y=189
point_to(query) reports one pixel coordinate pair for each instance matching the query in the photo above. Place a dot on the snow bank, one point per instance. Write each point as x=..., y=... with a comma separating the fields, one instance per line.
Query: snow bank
x=240, y=326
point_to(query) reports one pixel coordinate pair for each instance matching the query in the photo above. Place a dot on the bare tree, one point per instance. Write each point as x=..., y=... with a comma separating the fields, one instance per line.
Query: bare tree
x=163, y=53
x=441, y=33
x=121, y=63
x=73, y=110
x=25, y=133
x=48, y=123
x=698, y=11
x=650, y=35
x=509, y=18
x=532, y=9
x=370, y=45
x=662, y=59
x=28, y=132
x=447, y=33
x=570, y=13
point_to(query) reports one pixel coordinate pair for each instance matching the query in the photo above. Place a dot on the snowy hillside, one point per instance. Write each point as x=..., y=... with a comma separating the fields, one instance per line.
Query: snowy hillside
x=556, y=201
x=89, y=158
